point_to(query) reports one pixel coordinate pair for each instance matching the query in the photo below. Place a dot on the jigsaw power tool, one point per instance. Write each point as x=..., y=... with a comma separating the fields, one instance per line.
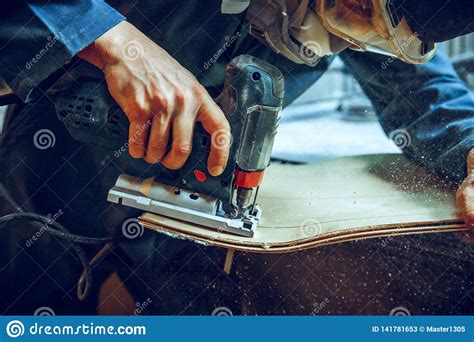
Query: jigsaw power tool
x=251, y=100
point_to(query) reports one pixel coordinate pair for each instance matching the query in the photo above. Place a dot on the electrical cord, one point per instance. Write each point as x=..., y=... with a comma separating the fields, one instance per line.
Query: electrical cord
x=84, y=285
x=82, y=282
x=53, y=228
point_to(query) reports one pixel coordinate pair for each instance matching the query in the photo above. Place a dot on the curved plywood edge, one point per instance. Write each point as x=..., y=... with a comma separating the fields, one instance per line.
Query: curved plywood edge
x=334, y=201
x=293, y=246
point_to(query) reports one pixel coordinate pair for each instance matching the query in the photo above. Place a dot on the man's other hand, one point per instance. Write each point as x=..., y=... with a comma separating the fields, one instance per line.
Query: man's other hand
x=158, y=96
x=465, y=194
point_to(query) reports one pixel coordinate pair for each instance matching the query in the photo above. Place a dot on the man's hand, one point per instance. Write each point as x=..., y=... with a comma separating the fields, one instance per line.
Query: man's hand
x=465, y=193
x=158, y=96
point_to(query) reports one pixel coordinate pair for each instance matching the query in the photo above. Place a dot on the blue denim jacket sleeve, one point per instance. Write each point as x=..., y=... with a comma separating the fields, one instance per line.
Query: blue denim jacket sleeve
x=38, y=36
x=427, y=109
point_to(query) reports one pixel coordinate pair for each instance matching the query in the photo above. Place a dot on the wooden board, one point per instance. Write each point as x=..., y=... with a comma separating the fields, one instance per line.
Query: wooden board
x=306, y=206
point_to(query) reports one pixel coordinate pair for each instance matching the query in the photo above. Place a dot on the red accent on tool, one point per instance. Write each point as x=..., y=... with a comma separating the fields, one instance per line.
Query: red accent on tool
x=244, y=179
x=200, y=176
